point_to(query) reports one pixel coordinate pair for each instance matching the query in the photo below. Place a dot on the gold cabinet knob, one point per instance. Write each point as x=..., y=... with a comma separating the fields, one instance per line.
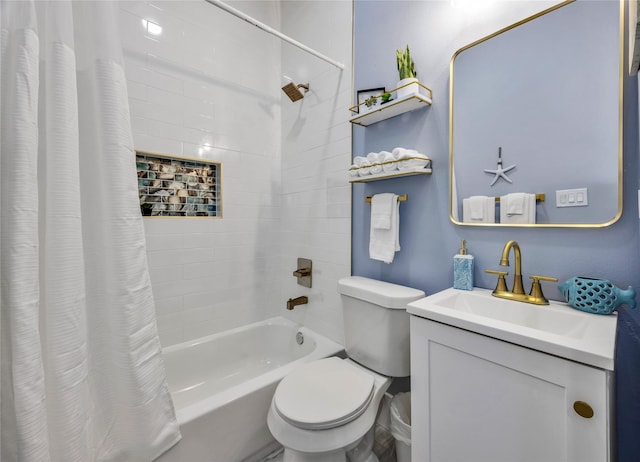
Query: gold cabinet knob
x=583, y=409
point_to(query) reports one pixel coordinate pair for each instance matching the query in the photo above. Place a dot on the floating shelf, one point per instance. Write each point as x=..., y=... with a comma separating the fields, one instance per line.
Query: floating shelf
x=392, y=108
x=395, y=174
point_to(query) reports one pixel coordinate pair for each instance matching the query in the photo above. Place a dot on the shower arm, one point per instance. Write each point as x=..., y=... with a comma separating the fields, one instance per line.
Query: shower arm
x=270, y=30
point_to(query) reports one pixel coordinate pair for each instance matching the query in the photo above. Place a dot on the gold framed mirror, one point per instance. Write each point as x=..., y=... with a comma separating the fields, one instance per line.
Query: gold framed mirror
x=536, y=118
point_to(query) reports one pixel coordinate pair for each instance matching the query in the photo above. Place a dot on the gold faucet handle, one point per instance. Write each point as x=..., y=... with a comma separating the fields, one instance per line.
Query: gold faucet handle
x=499, y=273
x=502, y=282
x=543, y=278
x=536, y=289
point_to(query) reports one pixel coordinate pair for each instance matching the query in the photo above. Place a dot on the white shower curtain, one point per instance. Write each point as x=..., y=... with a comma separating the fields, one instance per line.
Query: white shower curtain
x=82, y=377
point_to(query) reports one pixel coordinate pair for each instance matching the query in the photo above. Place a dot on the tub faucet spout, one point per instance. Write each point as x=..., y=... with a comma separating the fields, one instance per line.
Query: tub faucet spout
x=293, y=302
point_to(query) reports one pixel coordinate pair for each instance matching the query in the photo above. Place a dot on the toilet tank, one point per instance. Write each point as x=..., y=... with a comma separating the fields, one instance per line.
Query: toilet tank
x=376, y=323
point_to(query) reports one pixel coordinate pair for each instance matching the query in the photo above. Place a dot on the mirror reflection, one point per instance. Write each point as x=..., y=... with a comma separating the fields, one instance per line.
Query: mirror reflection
x=536, y=121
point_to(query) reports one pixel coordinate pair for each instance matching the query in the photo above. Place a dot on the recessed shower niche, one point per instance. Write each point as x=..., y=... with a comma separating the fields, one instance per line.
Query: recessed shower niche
x=177, y=187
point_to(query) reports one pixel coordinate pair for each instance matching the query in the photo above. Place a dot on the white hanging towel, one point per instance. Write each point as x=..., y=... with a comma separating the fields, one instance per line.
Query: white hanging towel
x=384, y=242
x=381, y=210
x=518, y=208
x=479, y=209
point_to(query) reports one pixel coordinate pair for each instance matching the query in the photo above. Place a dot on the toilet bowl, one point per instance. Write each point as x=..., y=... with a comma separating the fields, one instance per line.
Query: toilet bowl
x=325, y=410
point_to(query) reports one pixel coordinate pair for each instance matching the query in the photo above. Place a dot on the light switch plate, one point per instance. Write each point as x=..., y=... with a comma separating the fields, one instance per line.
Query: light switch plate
x=572, y=197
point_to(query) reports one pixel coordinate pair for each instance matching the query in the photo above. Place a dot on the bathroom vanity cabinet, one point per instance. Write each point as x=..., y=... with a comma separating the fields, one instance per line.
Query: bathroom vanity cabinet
x=477, y=398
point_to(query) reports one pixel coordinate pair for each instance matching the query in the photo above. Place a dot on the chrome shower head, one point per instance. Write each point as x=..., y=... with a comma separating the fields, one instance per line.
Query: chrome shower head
x=293, y=91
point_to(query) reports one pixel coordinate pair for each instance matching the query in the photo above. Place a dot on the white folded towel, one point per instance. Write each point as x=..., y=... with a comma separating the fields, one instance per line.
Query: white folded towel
x=518, y=208
x=388, y=160
x=514, y=204
x=479, y=209
x=384, y=243
x=381, y=210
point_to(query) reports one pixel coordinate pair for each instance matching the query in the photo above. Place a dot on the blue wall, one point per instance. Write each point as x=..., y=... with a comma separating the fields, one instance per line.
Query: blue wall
x=435, y=30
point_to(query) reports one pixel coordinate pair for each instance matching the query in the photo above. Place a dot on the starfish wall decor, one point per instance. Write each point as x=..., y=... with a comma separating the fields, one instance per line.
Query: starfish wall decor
x=500, y=172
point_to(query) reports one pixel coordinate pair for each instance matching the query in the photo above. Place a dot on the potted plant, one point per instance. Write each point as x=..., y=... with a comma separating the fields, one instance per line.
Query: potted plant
x=371, y=102
x=407, y=71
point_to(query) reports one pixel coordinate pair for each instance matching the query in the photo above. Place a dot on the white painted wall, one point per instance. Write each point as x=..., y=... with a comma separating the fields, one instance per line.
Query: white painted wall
x=209, y=87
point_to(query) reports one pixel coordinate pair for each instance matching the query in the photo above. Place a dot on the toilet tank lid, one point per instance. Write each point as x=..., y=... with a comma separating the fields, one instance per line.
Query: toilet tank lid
x=381, y=293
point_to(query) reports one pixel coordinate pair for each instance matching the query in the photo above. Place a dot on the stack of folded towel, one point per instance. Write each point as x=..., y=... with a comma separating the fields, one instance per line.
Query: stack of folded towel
x=479, y=209
x=384, y=234
x=515, y=208
x=398, y=160
x=518, y=208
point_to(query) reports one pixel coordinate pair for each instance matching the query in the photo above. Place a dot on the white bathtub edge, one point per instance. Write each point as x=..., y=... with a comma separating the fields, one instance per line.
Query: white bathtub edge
x=324, y=348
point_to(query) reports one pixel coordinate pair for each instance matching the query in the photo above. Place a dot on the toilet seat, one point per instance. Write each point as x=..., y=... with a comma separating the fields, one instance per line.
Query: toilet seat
x=323, y=394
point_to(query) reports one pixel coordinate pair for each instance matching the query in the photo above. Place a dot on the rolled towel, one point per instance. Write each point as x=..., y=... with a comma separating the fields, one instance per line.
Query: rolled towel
x=365, y=168
x=389, y=163
x=416, y=160
x=357, y=160
x=376, y=168
x=402, y=153
x=372, y=157
x=353, y=171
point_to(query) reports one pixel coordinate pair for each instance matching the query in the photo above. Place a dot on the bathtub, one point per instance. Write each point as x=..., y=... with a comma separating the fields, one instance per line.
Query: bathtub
x=222, y=387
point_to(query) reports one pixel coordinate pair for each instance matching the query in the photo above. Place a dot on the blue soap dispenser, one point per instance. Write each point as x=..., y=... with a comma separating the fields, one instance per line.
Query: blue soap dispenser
x=463, y=269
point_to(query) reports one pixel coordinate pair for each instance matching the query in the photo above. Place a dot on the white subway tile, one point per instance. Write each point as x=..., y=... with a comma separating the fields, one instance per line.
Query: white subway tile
x=136, y=90
x=199, y=269
x=284, y=182
x=169, y=305
x=168, y=241
x=169, y=289
x=159, y=225
x=163, y=258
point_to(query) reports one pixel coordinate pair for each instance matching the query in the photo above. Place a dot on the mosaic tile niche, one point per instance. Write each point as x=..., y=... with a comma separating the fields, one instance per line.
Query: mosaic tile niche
x=175, y=187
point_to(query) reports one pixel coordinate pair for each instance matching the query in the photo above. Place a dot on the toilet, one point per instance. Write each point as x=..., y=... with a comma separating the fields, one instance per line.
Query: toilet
x=324, y=410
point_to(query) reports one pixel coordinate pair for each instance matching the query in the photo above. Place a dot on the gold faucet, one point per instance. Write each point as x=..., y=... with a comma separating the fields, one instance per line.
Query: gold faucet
x=518, y=294
x=293, y=302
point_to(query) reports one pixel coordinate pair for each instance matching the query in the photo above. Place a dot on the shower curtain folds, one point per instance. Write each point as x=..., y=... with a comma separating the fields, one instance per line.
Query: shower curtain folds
x=82, y=377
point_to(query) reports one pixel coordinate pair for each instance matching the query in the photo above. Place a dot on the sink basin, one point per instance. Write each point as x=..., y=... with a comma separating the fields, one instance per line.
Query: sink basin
x=556, y=328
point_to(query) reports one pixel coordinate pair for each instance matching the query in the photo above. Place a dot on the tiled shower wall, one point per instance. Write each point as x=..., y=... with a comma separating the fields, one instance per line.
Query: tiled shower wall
x=316, y=154
x=208, y=87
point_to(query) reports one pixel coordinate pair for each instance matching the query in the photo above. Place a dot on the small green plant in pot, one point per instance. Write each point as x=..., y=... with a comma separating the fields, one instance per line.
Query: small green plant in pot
x=407, y=72
x=406, y=66
x=371, y=101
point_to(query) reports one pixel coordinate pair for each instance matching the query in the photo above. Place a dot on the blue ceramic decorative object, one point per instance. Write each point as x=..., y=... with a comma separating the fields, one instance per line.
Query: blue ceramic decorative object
x=596, y=295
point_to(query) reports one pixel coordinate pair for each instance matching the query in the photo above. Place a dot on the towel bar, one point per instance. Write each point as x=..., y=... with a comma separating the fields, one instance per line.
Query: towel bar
x=539, y=198
x=402, y=198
